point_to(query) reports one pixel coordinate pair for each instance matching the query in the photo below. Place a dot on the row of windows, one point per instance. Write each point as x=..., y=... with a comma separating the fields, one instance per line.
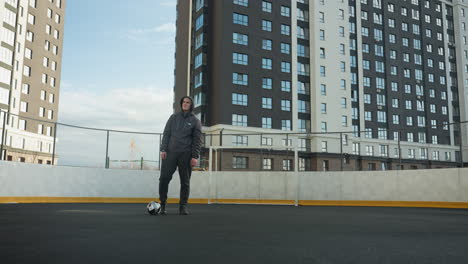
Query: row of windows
x=239, y=162
x=395, y=87
x=42, y=111
x=382, y=133
x=267, y=103
x=241, y=120
x=267, y=64
x=266, y=24
x=22, y=125
x=43, y=96
x=267, y=83
x=378, y=19
x=404, y=10
x=266, y=7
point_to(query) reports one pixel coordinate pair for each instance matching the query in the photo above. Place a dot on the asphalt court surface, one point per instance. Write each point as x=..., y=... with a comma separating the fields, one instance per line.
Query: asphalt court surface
x=125, y=233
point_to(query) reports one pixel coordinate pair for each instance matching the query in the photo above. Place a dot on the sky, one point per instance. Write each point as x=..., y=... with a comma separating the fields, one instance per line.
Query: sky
x=117, y=73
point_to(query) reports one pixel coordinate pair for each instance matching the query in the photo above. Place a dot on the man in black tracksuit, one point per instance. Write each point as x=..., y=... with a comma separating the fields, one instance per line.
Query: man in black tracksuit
x=180, y=149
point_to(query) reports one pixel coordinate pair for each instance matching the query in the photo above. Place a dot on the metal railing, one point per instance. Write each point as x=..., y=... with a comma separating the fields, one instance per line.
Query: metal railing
x=119, y=149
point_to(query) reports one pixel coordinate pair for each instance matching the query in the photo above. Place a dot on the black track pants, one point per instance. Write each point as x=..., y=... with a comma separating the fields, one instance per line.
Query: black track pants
x=180, y=160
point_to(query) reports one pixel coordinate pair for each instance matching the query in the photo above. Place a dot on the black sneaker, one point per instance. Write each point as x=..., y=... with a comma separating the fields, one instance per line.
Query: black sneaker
x=183, y=210
x=163, y=209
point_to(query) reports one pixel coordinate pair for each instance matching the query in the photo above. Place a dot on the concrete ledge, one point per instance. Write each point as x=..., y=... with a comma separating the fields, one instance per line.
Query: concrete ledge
x=424, y=204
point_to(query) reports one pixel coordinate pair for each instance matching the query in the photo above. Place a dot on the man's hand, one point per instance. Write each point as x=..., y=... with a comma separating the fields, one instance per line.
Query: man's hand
x=163, y=155
x=194, y=162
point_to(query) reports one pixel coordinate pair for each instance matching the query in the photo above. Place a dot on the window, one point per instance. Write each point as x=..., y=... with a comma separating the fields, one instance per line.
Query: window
x=239, y=162
x=286, y=30
x=303, y=106
x=240, y=19
x=286, y=105
x=285, y=11
x=266, y=25
x=266, y=122
x=31, y=19
x=267, y=83
x=199, y=41
x=323, y=127
x=321, y=17
x=199, y=4
x=324, y=146
x=238, y=58
x=199, y=60
x=26, y=71
x=242, y=2
x=285, y=48
x=199, y=22
x=240, y=140
x=286, y=86
x=303, y=69
x=267, y=164
x=239, y=99
x=267, y=141
x=23, y=106
x=323, y=108
x=239, y=120
x=267, y=103
x=302, y=51
x=241, y=39
x=267, y=64
x=198, y=80
x=287, y=165
x=25, y=88
x=286, y=125
x=266, y=6
x=323, y=89
x=240, y=78
x=286, y=67
x=266, y=44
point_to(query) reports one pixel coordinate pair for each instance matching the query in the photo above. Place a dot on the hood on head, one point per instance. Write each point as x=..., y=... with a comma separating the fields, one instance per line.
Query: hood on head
x=182, y=100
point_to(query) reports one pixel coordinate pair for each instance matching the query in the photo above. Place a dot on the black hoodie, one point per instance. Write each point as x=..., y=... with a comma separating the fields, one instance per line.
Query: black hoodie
x=182, y=133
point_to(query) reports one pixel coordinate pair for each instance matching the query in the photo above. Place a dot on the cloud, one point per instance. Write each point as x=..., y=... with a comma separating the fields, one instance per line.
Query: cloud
x=164, y=28
x=136, y=109
x=160, y=35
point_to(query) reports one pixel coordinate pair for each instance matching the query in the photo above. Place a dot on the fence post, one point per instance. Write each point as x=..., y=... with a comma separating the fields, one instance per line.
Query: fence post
x=399, y=149
x=159, y=154
x=55, y=142
x=107, y=150
x=461, y=144
x=3, y=134
x=341, y=151
x=141, y=163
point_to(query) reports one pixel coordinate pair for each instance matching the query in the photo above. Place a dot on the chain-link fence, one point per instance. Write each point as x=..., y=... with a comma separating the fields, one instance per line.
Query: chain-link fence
x=37, y=141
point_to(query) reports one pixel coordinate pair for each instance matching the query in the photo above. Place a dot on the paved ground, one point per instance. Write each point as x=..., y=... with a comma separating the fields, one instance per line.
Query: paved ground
x=124, y=233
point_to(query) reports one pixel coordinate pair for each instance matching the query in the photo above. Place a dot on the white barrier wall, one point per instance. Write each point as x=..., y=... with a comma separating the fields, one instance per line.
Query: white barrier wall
x=33, y=180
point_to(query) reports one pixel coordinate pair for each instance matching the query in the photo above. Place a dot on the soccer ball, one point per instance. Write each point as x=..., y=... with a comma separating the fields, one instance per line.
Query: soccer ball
x=153, y=208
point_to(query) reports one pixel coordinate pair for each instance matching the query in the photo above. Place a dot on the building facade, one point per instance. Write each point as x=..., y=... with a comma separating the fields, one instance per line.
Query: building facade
x=350, y=84
x=30, y=65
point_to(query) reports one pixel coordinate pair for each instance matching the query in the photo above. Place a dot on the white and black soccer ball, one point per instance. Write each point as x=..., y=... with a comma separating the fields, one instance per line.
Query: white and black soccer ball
x=153, y=208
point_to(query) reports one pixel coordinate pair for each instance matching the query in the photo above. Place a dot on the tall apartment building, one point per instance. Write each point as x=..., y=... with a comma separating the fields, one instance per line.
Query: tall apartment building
x=30, y=66
x=389, y=75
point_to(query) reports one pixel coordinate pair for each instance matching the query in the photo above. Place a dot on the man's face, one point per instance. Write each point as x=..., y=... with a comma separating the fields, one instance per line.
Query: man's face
x=186, y=105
